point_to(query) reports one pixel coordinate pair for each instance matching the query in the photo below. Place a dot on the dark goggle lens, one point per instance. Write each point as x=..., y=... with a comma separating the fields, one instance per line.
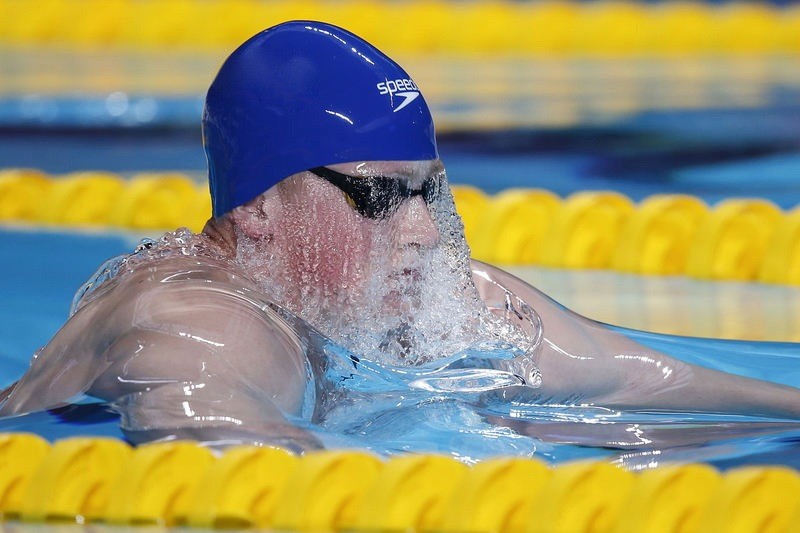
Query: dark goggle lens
x=377, y=197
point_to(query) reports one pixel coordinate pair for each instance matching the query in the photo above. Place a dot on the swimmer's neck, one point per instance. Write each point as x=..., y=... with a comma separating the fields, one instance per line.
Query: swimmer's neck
x=221, y=234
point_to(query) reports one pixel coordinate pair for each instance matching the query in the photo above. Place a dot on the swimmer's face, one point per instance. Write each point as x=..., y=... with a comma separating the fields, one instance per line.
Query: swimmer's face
x=349, y=225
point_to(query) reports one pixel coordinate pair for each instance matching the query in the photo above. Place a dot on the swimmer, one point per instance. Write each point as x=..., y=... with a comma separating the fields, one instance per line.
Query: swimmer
x=333, y=225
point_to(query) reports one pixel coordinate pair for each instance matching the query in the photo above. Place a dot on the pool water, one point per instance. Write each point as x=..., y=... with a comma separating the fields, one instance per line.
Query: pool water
x=392, y=417
x=702, y=126
x=381, y=412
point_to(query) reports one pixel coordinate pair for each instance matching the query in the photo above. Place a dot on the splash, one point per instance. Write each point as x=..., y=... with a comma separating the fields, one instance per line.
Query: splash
x=179, y=242
x=386, y=295
x=396, y=291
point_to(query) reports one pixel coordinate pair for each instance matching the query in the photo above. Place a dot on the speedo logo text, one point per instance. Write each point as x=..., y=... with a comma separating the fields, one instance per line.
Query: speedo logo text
x=400, y=87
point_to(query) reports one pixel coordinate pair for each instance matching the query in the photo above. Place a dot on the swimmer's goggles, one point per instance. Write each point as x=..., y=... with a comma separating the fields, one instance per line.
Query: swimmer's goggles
x=377, y=197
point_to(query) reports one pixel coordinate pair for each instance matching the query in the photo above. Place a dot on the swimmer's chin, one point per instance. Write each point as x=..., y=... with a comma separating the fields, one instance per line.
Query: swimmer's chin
x=403, y=295
x=409, y=275
x=398, y=312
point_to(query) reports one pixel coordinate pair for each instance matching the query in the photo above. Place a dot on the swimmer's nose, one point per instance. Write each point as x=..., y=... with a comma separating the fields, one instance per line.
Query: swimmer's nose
x=415, y=226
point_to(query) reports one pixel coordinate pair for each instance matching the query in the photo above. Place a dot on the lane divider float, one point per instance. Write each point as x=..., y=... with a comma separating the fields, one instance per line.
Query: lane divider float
x=553, y=28
x=98, y=480
x=736, y=239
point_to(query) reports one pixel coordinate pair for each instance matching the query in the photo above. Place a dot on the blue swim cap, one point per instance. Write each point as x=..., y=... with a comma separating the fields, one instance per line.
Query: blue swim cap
x=306, y=94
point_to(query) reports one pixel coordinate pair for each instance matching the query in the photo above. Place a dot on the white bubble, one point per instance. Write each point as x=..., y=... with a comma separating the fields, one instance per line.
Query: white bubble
x=117, y=104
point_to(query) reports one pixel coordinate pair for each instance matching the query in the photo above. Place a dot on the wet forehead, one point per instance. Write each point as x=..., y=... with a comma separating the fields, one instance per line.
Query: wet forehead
x=414, y=171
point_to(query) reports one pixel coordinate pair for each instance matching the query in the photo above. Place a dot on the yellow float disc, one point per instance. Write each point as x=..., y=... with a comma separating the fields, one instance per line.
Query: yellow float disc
x=516, y=226
x=411, y=493
x=200, y=210
x=733, y=240
x=554, y=23
x=158, y=24
x=74, y=481
x=669, y=498
x=746, y=28
x=658, y=235
x=35, y=26
x=471, y=204
x=607, y=28
x=586, y=230
x=158, y=484
x=21, y=454
x=489, y=23
x=782, y=260
x=789, y=30
x=585, y=496
x=83, y=198
x=326, y=492
x=100, y=22
x=754, y=499
x=496, y=495
x=22, y=193
x=681, y=28
x=433, y=23
x=364, y=18
x=241, y=489
x=611, y=28
x=157, y=201
x=248, y=18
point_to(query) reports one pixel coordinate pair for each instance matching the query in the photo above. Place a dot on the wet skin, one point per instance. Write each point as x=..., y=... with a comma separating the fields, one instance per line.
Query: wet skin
x=189, y=346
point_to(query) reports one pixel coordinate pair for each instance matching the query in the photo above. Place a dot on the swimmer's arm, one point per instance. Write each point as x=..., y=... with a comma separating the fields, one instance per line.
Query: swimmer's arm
x=215, y=413
x=652, y=380
x=62, y=370
x=584, y=361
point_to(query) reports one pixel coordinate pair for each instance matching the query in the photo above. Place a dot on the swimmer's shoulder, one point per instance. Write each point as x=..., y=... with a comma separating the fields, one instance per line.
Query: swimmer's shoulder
x=188, y=270
x=154, y=277
x=179, y=256
x=187, y=277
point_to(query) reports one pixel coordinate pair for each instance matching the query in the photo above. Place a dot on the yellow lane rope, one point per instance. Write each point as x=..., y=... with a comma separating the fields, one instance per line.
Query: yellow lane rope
x=549, y=28
x=736, y=239
x=102, y=480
